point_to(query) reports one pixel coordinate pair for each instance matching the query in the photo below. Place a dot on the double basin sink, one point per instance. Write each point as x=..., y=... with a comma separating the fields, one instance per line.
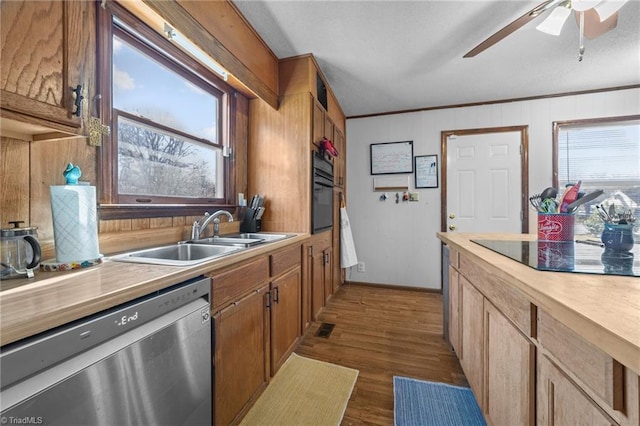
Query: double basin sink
x=193, y=252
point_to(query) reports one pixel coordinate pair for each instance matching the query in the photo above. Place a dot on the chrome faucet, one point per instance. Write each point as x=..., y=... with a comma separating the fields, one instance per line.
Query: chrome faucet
x=201, y=224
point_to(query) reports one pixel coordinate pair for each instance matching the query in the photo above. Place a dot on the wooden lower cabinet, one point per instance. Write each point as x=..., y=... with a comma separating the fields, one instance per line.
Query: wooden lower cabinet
x=317, y=283
x=561, y=402
x=498, y=359
x=454, y=303
x=241, y=369
x=307, y=278
x=471, y=348
x=257, y=310
x=526, y=367
x=328, y=274
x=322, y=273
x=285, y=316
x=509, y=388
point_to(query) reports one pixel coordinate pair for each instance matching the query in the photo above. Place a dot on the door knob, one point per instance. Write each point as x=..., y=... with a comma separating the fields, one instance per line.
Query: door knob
x=452, y=216
x=452, y=227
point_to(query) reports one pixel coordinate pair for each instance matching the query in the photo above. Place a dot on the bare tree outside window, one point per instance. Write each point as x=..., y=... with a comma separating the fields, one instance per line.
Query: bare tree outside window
x=152, y=162
x=168, y=127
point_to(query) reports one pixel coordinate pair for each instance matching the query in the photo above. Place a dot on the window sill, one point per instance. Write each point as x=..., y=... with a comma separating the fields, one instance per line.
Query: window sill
x=135, y=211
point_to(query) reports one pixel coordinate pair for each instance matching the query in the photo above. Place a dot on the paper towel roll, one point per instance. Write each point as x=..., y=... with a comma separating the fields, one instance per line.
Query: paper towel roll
x=75, y=225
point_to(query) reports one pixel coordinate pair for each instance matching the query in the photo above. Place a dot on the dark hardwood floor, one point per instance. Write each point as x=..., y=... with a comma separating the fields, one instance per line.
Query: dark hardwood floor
x=383, y=332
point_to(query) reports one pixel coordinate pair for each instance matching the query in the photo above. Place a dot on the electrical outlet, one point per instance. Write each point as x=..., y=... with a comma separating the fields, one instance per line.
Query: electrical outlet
x=360, y=266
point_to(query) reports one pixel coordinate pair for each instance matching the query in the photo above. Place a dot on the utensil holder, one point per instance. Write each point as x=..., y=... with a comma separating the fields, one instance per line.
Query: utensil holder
x=618, y=236
x=555, y=226
x=250, y=223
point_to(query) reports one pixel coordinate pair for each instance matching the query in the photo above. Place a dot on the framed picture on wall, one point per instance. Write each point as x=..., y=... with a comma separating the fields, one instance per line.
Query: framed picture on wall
x=391, y=157
x=426, y=171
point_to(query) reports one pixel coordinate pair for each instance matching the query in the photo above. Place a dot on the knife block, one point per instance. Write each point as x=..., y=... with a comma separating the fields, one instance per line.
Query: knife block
x=249, y=222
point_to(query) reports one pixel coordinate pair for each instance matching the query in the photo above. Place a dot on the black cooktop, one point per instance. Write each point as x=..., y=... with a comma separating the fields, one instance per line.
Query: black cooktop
x=585, y=257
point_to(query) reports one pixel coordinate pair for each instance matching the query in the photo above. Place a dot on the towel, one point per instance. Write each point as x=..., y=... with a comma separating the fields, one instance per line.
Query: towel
x=348, y=255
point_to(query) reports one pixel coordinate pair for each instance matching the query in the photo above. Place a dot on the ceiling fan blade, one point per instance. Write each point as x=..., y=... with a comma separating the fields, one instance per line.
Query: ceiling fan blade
x=555, y=21
x=593, y=27
x=513, y=26
x=606, y=8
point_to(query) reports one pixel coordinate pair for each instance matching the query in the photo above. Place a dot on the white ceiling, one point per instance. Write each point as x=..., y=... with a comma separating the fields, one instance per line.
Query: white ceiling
x=389, y=55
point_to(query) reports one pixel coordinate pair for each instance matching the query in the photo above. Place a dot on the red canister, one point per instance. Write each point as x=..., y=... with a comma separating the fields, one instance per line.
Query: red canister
x=555, y=226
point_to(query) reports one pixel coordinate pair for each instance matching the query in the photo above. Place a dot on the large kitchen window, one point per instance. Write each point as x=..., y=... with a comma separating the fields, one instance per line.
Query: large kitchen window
x=602, y=154
x=169, y=121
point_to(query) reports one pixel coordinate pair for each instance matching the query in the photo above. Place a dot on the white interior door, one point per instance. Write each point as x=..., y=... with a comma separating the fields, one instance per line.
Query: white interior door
x=484, y=182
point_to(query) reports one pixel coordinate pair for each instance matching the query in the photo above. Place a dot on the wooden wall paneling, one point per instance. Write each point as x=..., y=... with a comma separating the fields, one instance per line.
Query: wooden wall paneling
x=116, y=225
x=241, y=140
x=196, y=28
x=160, y=222
x=48, y=161
x=14, y=181
x=280, y=163
x=226, y=23
x=179, y=221
x=295, y=76
x=141, y=223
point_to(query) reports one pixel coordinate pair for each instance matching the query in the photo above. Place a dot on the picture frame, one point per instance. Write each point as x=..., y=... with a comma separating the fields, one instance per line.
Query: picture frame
x=426, y=171
x=391, y=157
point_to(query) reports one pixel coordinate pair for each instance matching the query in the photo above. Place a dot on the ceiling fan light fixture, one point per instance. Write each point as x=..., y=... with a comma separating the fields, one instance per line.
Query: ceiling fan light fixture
x=555, y=21
x=582, y=5
x=607, y=8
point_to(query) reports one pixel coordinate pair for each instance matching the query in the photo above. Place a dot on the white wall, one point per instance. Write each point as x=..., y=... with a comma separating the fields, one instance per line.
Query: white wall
x=397, y=242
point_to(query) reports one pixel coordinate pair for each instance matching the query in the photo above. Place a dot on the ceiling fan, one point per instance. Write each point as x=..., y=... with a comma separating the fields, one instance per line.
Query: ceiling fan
x=594, y=17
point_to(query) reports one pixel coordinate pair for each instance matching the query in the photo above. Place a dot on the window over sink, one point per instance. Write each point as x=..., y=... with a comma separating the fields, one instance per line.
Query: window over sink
x=169, y=117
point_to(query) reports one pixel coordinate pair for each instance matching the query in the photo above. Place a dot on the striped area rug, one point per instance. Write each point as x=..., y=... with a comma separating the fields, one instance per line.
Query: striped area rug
x=421, y=403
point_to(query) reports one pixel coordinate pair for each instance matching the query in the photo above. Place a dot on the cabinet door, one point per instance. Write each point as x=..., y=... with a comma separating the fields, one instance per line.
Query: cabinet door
x=48, y=48
x=560, y=402
x=241, y=355
x=337, y=271
x=285, y=316
x=307, y=278
x=317, y=284
x=509, y=364
x=454, y=309
x=328, y=275
x=339, y=164
x=471, y=341
x=318, y=125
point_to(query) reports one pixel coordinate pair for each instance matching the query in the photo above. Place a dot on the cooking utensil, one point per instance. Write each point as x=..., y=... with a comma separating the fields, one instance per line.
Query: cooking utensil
x=604, y=214
x=535, y=201
x=585, y=199
x=549, y=192
x=570, y=195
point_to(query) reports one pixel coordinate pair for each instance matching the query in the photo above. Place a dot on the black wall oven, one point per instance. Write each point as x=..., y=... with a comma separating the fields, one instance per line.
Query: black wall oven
x=322, y=202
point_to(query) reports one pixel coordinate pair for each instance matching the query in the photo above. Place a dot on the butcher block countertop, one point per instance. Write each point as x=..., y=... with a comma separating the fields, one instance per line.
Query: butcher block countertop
x=51, y=299
x=604, y=310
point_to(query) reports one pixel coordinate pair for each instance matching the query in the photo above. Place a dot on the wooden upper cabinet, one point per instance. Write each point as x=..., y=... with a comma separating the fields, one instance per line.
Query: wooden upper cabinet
x=48, y=50
x=299, y=74
x=318, y=125
x=339, y=164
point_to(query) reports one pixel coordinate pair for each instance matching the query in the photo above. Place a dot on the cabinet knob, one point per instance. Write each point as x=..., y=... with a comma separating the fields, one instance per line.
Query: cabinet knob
x=452, y=227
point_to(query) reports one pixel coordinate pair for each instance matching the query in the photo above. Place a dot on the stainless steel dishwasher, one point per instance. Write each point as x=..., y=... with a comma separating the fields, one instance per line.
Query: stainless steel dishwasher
x=147, y=362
